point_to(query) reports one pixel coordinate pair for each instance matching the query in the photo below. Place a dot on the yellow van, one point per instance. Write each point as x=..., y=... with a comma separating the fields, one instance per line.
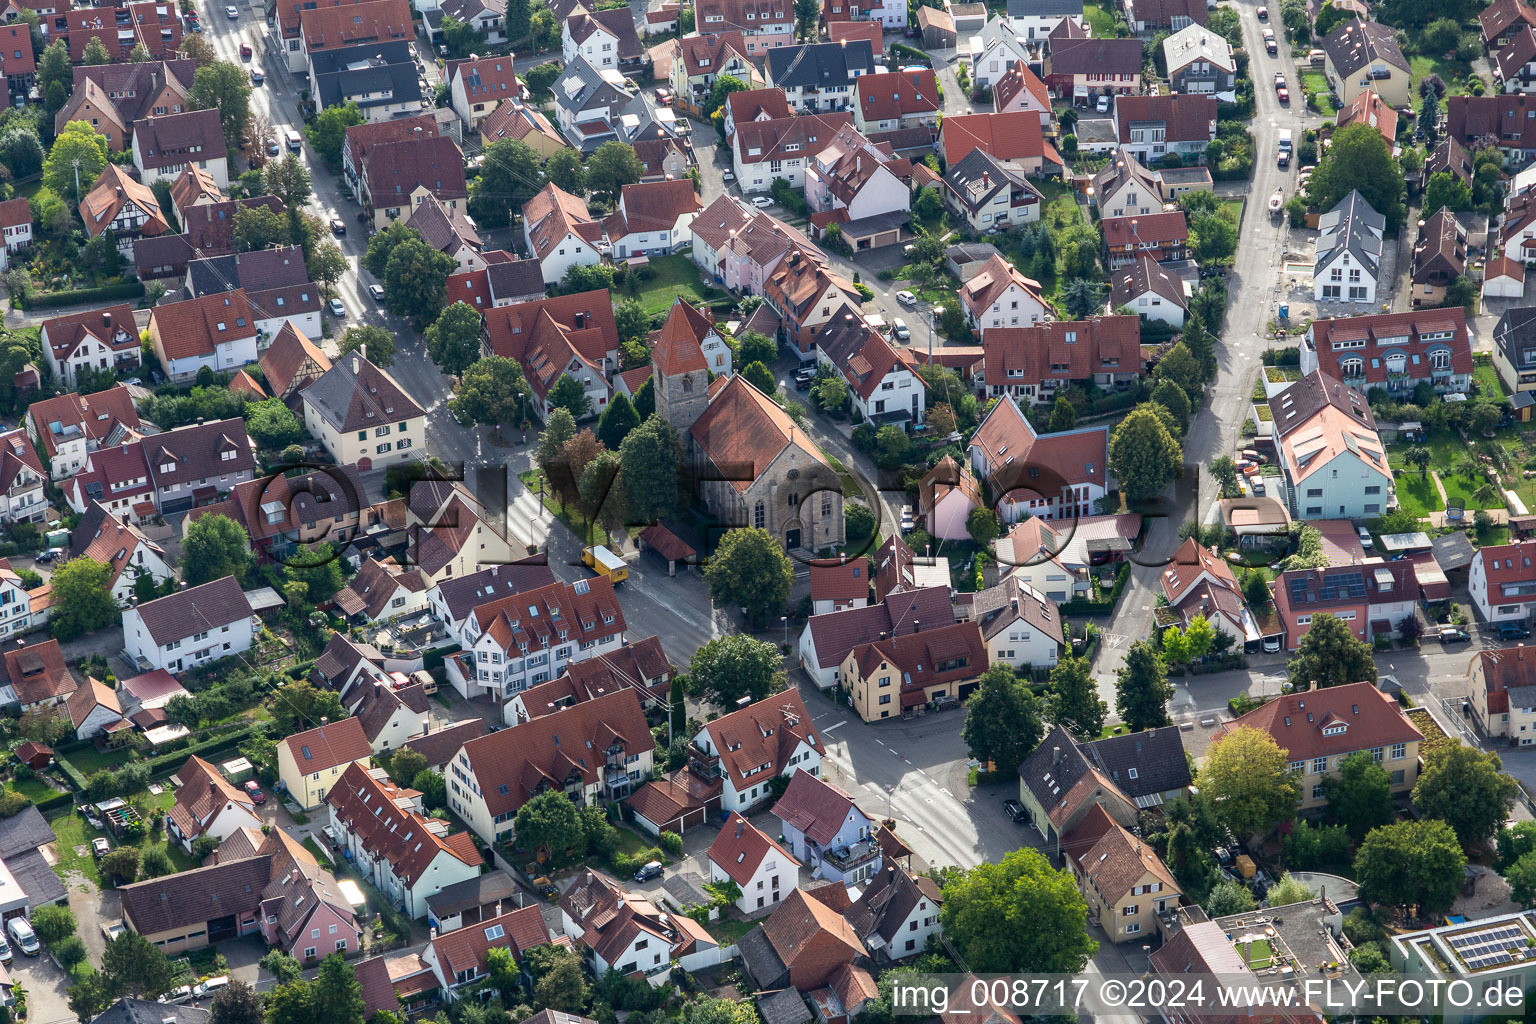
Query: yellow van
x=606, y=563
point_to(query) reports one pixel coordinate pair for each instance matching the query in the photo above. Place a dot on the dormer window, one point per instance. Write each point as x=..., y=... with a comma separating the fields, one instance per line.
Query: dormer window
x=1335, y=730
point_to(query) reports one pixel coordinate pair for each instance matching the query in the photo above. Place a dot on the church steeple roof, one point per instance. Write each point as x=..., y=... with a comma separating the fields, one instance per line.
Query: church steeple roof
x=677, y=349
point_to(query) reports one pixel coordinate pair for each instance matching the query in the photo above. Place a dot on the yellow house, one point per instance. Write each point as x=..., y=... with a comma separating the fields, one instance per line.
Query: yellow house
x=1320, y=728
x=1502, y=685
x=884, y=677
x=309, y=763
x=1124, y=883
x=363, y=416
x=1364, y=55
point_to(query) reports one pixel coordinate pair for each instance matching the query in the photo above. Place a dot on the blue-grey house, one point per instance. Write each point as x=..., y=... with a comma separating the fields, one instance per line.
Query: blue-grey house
x=826, y=831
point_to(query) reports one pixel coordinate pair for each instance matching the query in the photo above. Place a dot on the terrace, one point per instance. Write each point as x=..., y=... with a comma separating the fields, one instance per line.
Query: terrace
x=1283, y=944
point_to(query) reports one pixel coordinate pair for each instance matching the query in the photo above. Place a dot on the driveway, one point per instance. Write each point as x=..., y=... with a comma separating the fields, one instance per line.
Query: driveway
x=46, y=987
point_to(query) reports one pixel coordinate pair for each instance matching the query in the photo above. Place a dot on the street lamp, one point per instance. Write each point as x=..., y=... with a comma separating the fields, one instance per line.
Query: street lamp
x=785, y=620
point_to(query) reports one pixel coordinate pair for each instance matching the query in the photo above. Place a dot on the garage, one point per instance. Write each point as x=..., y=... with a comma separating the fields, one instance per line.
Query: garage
x=876, y=232
x=670, y=805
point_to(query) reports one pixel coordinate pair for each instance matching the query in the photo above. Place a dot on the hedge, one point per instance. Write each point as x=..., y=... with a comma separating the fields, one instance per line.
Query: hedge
x=54, y=802
x=902, y=50
x=75, y=778
x=1080, y=607
x=80, y=296
x=162, y=762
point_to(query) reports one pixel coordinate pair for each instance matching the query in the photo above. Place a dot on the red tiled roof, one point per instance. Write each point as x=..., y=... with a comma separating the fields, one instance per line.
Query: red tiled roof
x=739, y=850
x=464, y=949
x=1187, y=118
x=196, y=327
x=1149, y=229
x=1298, y=721
x=1017, y=79
x=1010, y=135
x=900, y=94
x=840, y=580
x=365, y=801
x=327, y=28
x=744, y=427
x=329, y=746
x=767, y=732
x=1401, y=331
x=760, y=141
x=815, y=807
x=1107, y=344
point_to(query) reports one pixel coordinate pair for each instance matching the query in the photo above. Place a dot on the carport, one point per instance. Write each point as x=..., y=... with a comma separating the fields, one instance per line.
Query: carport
x=668, y=545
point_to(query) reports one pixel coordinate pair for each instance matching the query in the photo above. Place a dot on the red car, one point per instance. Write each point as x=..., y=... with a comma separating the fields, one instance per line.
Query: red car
x=245, y=50
x=255, y=792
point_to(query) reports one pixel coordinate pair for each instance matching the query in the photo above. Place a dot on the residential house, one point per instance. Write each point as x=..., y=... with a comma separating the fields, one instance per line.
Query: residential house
x=1348, y=257
x=217, y=330
x=112, y=97
x=1198, y=583
x=479, y=85
x=379, y=77
x=397, y=176
x=652, y=218
x=897, y=914
x=1500, y=21
x=997, y=47
x=615, y=929
x=641, y=666
x=362, y=137
x=1372, y=599
x=597, y=750
x=337, y=27
x=766, y=25
x=354, y=406
x=123, y=548
x=119, y=479
x=742, y=751
x=348, y=668
x=450, y=532
x=1038, y=362
x=17, y=61
x=503, y=280
x=926, y=668
x=698, y=60
x=1439, y=257
x=1162, y=236
x=487, y=17
x=1364, y=55
x=754, y=105
x=69, y=427
x=153, y=25
x=195, y=464
x=819, y=77
x=1019, y=624
x=38, y=677
x=1318, y=729
x=826, y=831
x=1499, y=120
x=1514, y=348
x=839, y=584
x=207, y=804
x=1501, y=685
x=561, y=234
x=741, y=247
x=663, y=158
x=1332, y=461
x=1200, y=63
x=947, y=495
x=1060, y=785
x=190, y=627
x=207, y=230
x=21, y=480
x=601, y=38
x=1151, y=127
x=383, y=590
x=572, y=335
x=758, y=865
x=383, y=828
x=1127, y=886
x=805, y=294
x=1369, y=108
x=1020, y=90
x=275, y=282
x=513, y=119
x=120, y=204
x=1501, y=582
x=598, y=105
x=765, y=150
x=257, y=885
x=990, y=194
x=903, y=99
x=15, y=229
x=1037, y=19
x=1013, y=137
x=1147, y=289
x=1395, y=351
x=1147, y=16
x=93, y=710
x=309, y=763
x=1451, y=157
x=165, y=146
x=1078, y=69
x=827, y=638
x=882, y=379
x=458, y=958
x=1058, y=475
x=801, y=945
x=1125, y=188
x=1000, y=296
x=17, y=613
x=1514, y=66
x=391, y=713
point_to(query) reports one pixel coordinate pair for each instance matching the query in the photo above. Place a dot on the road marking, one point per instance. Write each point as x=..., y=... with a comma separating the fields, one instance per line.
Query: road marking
x=908, y=762
x=837, y=726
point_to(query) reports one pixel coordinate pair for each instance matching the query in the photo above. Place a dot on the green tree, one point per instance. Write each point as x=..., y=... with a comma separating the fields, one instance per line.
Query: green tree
x=257, y=228
x=224, y=87
x=1180, y=366
x=892, y=446
x=602, y=493
x=382, y=245
x=1229, y=897
x=292, y=1003
x=1002, y=719
x=93, y=993
x=236, y=1003
x=559, y=428
x=1144, y=455
x=648, y=466
x=317, y=567
x=461, y=37
x=1074, y=700
x=1360, y=795
x=1081, y=297
x=568, y=394
x=75, y=161
x=1142, y=690
x=272, y=424
x=1200, y=343
x=567, y=171
x=327, y=133
x=82, y=599
x=1019, y=915
x=405, y=764
x=1515, y=842
x=299, y=705
x=21, y=150
x=563, y=987
x=928, y=207
x=121, y=866
x=288, y=179
x=416, y=281
x=54, y=68
x=760, y=377
x=136, y=968
x=1521, y=876
x=1249, y=782
x=613, y=166
x=1447, y=191
x=215, y=546
x=96, y=53
x=1331, y=655
x=53, y=924
x=983, y=525
x=1316, y=848
x=1467, y=789
x=1411, y=864
x=328, y=265
x=750, y=571
x=1175, y=399
x=549, y=821
x=492, y=391
x=510, y=175
x=336, y=993
x=1063, y=414
x=807, y=13
x=752, y=347
x=1225, y=472
x=633, y=322
x=453, y=341
x=1358, y=158
x=730, y=667
x=723, y=87
x=374, y=342
x=1215, y=238
x=616, y=421
x=281, y=965
x=70, y=952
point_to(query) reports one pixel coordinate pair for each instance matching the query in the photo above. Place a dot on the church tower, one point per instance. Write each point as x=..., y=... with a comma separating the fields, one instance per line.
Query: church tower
x=680, y=375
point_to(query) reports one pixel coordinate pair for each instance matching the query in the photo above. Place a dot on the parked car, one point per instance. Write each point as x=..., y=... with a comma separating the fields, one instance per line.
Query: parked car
x=899, y=328
x=761, y=202
x=1512, y=631
x=1365, y=537
x=1263, y=13
x=233, y=12
x=651, y=869
x=255, y=791
x=1271, y=645
x=257, y=77
x=21, y=933
x=208, y=987
x=906, y=298
x=100, y=847
x=1015, y=810
x=338, y=226
x=664, y=97
x=1104, y=104
x=273, y=149
x=245, y=51
x=727, y=175
x=50, y=555
x=377, y=291
x=803, y=379
x=1451, y=635
x=181, y=994
x=336, y=308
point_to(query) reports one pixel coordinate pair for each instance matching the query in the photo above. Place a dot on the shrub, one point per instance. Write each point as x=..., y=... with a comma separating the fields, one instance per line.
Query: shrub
x=126, y=290
x=672, y=843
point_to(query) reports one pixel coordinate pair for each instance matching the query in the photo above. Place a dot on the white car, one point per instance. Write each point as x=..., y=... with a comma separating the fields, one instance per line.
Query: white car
x=336, y=308
x=727, y=175
x=377, y=291
x=906, y=298
x=1365, y=537
x=899, y=328
x=233, y=12
x=761, y=202
x=1104, y=102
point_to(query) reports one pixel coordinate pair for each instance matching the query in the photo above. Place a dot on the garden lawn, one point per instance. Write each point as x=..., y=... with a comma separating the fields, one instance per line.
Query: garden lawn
x=33, y=789
x=71, y=830
x=1452, y=72
x=675, y=275
x=1416, y=495
x=1232, y=209
x=1317, y=85
x=88, y=760
x=1100, y=22
x=571, y=517
x=1488, y=378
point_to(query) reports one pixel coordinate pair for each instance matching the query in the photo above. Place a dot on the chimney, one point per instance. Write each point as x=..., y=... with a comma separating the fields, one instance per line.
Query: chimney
x=357, y=365
x=1055, y=755
x=106, y=318
x=739, y=822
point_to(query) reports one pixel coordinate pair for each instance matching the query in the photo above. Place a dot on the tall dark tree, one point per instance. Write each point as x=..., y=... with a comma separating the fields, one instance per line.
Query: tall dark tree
x=1359, y=158
x=616, y=421
x=1466, y=788
x=136, y=967
x=648, y=468
x=1002, y=719
x=1330, y=655
x=1142, y=690
x=1360, y=795
x=236, y=1003
x=1074, y=700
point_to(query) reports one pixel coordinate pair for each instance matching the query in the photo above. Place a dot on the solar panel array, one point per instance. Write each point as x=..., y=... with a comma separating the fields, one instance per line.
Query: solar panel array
x=1490, y=947
x=1340, y=584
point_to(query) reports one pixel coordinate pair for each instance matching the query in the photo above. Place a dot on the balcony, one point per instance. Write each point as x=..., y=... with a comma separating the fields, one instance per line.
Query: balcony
x=846, y=858
x=703, y=764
